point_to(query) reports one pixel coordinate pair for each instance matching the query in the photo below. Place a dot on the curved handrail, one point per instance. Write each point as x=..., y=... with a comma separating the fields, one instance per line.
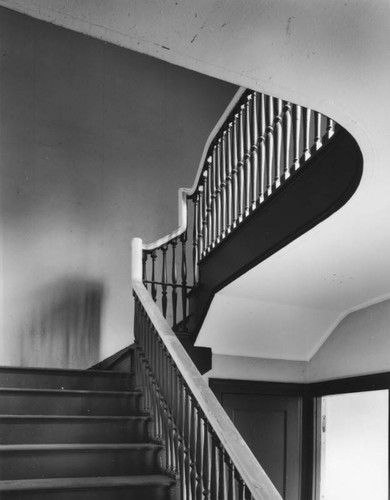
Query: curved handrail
x=186, y=193
x=202, y=445
x=258, y=143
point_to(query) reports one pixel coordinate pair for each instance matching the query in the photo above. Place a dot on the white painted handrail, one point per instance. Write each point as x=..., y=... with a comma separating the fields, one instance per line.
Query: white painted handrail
x=185, y=193
x=244, y=461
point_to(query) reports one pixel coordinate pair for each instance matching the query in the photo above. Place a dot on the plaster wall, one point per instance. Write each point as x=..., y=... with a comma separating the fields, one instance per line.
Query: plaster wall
x=95, y=142
x=359, y=345
x=260, y=369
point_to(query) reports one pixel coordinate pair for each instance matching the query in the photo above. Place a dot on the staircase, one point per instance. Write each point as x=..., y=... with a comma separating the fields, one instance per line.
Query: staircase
x=69, y=434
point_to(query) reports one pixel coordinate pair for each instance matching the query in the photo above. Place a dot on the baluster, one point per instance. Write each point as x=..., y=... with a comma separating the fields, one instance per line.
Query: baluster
x=297, y=111
x=193, y=448
x=218, y=190
x=144, y=268
x=278, y=141
x=181, y=427
x=173, y=417
x=186, y=437
x=204, y=213
x=223, y=186
x=221, y=482
x=306, y=133
x=235, y=171
x=164, y=280
x=329, y=128
x=174, y=282
x=241, y=489
x=241, y=174
x=214, y=197
x=248, y=172
x=254, y=147
x=231, y=485
x=317, y=130
x=206, y=459
x=165, y=416
x=229, y=200
x=195, y=242
x=199, y=455
x=154, y=287
x=169, y=405
x=213, y=467
x=209, y=204
x=287, y=136
x=262, y=150
x=200, y=224
x=183, y=240
x=270, y=145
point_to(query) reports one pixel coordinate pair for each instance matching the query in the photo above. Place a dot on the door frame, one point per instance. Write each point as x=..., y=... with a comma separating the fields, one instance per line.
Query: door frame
x=222, y=387
x=310, y=395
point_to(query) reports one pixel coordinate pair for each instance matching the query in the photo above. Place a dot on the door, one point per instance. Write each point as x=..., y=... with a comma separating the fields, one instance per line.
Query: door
x=271, y=427
x=355, y=446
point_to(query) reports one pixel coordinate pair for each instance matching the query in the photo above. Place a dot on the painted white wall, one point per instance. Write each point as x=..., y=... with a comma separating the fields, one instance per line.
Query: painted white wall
x=332, y=56
x=241, y=326
x=359, y=345
x=95, y=141
x=266, y=370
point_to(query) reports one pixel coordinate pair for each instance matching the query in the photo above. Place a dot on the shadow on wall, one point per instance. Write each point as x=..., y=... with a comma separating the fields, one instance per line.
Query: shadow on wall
x=65, y=326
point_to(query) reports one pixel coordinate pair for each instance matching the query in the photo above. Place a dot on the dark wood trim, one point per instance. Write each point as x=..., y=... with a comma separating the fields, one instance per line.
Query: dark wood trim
x=310, y=394
x=313, y=193
x=301, y=391
x=360, y=383
x=219, y=386
x=116, y=359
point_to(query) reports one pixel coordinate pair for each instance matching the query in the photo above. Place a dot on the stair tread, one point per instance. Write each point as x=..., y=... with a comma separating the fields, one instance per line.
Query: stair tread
x=70, y=371
x=66, y=391
x=83, y=482
x=79, y=447
x=86, y=418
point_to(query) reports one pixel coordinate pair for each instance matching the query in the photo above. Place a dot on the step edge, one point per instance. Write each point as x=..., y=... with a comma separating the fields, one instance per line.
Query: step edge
x=66, y=391
x=84, y=418
x=68, y=371
x=14, y=448
x=85, y=482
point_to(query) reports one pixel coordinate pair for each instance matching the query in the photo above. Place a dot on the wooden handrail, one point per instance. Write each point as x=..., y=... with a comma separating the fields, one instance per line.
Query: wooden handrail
x=257, y=145
x=205, y=423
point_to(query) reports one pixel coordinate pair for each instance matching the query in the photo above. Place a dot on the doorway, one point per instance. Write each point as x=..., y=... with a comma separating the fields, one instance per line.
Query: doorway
x=354, y=446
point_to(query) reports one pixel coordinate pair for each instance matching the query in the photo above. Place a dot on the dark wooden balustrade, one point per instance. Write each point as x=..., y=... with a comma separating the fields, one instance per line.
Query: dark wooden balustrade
x=202, y=448
x=260, y=143
x=262, y=153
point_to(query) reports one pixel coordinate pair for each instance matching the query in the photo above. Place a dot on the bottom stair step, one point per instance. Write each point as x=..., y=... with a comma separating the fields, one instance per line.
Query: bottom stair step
x=155, y=487
x=71, y=460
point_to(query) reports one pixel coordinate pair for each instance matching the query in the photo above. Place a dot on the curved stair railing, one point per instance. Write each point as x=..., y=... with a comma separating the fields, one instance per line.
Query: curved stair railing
x=256, y=147
x=202, y=448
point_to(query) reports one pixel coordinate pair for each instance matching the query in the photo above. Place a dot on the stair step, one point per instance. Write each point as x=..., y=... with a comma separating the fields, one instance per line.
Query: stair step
x=52, y=378
x=73, y=460
x=51, y=429
x=68, y=402
x=158, y=487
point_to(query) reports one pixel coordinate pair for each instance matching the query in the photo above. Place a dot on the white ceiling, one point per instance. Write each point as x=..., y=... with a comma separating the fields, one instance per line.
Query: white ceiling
x=332, y=56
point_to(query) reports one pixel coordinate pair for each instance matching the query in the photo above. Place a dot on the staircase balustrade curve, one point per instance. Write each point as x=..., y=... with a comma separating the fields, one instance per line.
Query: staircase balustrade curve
x=255, y=148
x=202, y=448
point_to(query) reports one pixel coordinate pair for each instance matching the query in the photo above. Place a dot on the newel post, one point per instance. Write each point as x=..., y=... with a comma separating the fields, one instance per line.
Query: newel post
x=136, y=260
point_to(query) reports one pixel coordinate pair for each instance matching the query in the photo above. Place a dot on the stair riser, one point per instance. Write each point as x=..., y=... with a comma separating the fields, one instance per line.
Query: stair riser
x=14, y=403
x=30, y=431
x=129, y=493
x=66, y=380
x=56, y=464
